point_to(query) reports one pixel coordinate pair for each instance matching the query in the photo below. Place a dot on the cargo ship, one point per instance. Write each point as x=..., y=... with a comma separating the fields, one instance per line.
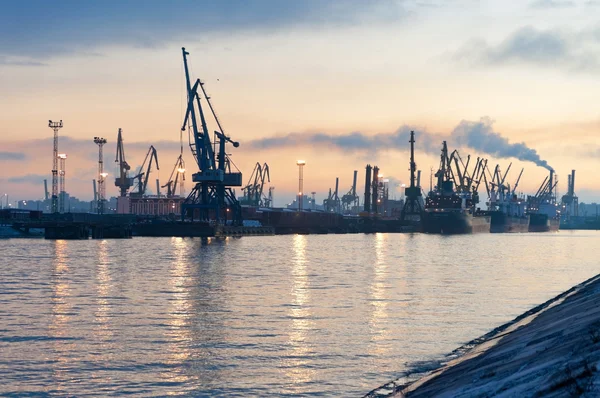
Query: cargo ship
x=544, y=212
x=451, y=208
x=508, y=211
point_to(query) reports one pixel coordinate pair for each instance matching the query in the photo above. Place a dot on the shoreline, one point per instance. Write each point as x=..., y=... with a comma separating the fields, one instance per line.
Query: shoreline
x=484, y=365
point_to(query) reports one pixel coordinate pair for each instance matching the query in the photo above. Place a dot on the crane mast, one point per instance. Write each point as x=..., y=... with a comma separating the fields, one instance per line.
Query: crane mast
x=212, y=196
x=142, y=177
x=123, y=181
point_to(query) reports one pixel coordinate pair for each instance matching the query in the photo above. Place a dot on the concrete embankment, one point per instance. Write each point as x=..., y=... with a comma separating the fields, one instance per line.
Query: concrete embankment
x=552, y=350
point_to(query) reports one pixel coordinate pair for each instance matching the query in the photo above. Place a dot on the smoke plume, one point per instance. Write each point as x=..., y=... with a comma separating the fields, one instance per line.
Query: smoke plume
x=479, y=136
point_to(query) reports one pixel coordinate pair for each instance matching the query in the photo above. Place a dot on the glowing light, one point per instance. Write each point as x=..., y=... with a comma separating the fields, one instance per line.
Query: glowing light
x=181, y=170
x=62, y=155
x=103, y=175
x=301, y=162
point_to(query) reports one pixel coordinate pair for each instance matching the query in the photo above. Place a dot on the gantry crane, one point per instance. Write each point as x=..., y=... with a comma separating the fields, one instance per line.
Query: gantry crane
x=254, y=190
x=178, y=170
x=212, y=197
x=144, y=173
x=123, y=181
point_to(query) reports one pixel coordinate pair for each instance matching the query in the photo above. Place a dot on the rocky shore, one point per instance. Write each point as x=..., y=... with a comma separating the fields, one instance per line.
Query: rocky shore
x=552, y=350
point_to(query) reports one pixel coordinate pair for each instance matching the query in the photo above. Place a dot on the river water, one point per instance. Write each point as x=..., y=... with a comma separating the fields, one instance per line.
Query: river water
x=318, y=315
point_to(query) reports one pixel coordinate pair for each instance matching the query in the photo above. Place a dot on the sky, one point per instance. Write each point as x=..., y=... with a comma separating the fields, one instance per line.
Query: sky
x=336, y=83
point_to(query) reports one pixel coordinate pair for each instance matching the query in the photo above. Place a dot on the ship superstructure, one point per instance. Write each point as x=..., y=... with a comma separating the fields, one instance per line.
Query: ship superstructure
x=543, y=209
x=508, y=210
x=451, y=206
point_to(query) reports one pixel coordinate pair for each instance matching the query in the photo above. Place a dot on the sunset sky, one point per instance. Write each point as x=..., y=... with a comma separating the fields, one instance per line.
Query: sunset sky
x=337, y=83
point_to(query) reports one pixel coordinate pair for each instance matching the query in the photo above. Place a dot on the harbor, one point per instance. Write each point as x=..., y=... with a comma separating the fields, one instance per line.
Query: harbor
x=330, y=314
x=381, y=199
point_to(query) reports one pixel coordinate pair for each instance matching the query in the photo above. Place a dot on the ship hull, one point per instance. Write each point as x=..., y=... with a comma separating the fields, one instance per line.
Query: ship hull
x=543, y=223
x=453, y=222
x=503, y=223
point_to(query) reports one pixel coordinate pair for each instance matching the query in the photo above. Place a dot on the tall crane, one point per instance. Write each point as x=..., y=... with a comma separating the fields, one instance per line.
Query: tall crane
x=332, y=203
x=350, y=199
x=123, y=181
x=413, y=206
x=144, y=173
x=177, y=173
x=212, y=197
x=254, y=190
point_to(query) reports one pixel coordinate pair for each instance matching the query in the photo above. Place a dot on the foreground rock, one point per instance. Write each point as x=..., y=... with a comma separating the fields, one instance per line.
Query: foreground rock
x=552, y=350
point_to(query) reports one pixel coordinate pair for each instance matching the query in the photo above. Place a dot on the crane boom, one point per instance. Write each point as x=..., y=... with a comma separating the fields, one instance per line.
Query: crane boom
x=122, y=181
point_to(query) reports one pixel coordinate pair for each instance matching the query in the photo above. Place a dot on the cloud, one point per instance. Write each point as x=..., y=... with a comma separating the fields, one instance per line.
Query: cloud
x=552, y=4
x=351, y=142
x=12, y=155
x=477, y=135
x=28, y=179
x=153, y=23
x=571, y=51
x=19, y=61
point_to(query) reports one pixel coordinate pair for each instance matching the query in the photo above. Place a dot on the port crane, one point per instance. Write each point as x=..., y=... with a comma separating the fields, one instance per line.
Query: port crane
x=212, y=196
x=413, y=206
x=123, y=181
x=545, y=194
x=454, y=174
x=174, y=178
x=332, y=203
x=144, y=173
x=350, y=199
x=254, y=190
x=501, y=196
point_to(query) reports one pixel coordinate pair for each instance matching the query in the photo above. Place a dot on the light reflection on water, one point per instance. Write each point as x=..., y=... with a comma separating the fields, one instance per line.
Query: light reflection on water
x=60, y=316
x=333, y=315
x=379, y=298
x=297, y=366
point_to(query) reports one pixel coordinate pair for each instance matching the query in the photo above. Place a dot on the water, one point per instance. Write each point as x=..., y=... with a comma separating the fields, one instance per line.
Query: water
x=334, y=315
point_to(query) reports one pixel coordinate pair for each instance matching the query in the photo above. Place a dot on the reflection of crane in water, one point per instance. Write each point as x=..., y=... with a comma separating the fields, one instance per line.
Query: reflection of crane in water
x=254, y=190
x=177, y=175
x=144, y=173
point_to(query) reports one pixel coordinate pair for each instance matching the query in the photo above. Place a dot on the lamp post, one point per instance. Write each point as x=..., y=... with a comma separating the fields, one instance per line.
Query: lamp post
x=300, y=164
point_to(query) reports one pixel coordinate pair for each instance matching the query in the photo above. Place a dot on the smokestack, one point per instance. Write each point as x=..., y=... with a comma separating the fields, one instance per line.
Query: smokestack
x=375, y=187
x=46, y=194
x=569, y=185
x=368, y=189
x=551, y=182
x=354, y=183
x=572, y=182
x=418, y=178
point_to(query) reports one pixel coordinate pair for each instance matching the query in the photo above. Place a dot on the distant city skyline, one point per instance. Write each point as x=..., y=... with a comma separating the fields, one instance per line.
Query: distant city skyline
x=338, y=83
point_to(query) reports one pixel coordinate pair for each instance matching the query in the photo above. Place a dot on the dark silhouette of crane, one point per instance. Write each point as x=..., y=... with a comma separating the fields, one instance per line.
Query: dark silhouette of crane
x=178, y=171
x=254, y=190
x=123, y=181
x=144, y=173
x=212, y=196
